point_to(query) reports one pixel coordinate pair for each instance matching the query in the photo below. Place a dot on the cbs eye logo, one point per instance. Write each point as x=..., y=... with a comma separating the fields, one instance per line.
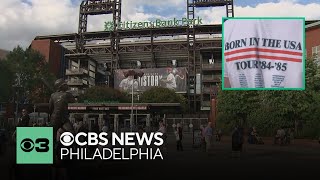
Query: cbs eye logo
x=40, y=145
x=66, y=139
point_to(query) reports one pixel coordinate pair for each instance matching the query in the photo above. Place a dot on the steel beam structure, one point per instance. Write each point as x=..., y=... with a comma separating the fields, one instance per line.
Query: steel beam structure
x=147, y=47
x=91, y=7
x=191, y=39
x=191, y=5
x=134, y=33
x=115, y=37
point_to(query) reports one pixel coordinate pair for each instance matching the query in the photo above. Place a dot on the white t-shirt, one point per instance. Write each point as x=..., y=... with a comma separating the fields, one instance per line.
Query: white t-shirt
x=264, y=53
x=171, y=81
x=126, y=84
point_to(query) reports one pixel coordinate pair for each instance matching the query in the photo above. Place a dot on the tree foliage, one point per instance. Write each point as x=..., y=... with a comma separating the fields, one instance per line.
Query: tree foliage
x=31, y=67
x=6, y=79
x=104, y=94
x=163, y=95
x=269, y=110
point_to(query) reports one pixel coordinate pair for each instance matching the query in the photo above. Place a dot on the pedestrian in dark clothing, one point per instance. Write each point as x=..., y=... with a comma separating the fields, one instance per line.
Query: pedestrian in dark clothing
x=237, y=141
x=24, y=120
x=95, y=127
x=179, y=141
x=3, y=140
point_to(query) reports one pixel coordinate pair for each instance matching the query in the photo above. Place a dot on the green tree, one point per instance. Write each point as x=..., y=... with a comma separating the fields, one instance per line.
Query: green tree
x=31, y=67
x=236, y=105
x=6, y=81
x=103, y=94
x=268, y=110
x=312, y=75
x=163, y=95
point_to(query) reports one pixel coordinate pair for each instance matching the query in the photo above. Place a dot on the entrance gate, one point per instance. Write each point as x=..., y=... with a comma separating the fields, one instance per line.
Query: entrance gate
x=187, y=124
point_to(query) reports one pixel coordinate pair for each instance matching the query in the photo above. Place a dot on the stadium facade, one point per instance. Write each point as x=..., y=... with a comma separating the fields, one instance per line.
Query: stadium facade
x=159, y=48
x=190, y=49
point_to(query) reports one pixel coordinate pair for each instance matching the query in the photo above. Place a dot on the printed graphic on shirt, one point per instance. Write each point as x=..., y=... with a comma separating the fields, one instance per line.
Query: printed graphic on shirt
x=264, y=53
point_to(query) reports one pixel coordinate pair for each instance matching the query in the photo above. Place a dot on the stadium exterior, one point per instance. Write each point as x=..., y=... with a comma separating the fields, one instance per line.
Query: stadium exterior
x=91, y=58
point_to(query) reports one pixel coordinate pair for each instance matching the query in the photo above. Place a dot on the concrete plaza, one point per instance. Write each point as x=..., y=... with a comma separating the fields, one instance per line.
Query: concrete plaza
x=300, y=159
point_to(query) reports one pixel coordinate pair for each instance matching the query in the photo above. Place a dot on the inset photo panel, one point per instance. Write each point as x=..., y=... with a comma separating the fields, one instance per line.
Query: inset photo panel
x=263, y=53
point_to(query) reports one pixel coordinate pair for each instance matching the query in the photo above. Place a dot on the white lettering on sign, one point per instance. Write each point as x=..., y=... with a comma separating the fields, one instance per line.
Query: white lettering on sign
x=100, y=108
x=76, y=108
x=129, y=108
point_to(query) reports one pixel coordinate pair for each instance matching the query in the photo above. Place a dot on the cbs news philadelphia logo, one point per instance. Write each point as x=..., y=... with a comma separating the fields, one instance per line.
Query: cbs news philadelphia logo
x=34, y=145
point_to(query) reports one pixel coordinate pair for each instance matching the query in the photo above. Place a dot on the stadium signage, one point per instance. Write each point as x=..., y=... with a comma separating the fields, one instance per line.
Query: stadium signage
x=171, y=78
x=158, y=23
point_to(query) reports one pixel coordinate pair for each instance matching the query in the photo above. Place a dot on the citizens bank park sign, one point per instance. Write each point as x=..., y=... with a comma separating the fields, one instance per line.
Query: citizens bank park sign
x=171, y=78
x=158, y=23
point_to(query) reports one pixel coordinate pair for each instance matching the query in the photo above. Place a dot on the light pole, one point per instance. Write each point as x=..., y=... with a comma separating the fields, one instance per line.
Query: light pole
x=17, y=86
x=136, y=115
x=134, y=75
x=34, y=113
x=138, y=99
x=131, y=117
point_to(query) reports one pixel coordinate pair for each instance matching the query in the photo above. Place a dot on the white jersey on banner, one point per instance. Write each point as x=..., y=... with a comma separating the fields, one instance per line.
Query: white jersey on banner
x=264, y=53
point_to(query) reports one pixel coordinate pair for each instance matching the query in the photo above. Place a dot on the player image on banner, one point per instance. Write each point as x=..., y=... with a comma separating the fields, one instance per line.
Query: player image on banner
x=263, y=53
x=171, y=78
x=174, y=79
x=126, y=84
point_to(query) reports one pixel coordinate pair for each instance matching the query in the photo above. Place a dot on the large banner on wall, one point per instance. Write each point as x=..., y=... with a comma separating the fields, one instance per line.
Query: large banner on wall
x=172, y=78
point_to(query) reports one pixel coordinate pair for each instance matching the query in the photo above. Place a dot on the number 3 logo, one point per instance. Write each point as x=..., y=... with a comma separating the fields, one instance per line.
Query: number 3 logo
x=43, y=145
x=40, y=145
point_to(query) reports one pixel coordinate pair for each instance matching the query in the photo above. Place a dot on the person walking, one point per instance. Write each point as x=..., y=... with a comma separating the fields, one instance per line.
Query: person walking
x=179, y=137
x=203, y=140
x=163, y=130
x=237, y=141
x=24, y=119
x=208, y=136
x=3, y=141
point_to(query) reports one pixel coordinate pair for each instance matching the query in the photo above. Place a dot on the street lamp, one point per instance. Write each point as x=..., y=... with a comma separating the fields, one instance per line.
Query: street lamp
x=34, y=113
x=17, y=85
x=134, y=74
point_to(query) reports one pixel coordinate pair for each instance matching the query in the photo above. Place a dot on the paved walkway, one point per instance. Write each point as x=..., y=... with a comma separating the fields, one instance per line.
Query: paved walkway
x=297, y=160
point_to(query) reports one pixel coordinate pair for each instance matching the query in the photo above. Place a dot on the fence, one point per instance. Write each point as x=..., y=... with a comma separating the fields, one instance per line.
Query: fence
x=188, y=124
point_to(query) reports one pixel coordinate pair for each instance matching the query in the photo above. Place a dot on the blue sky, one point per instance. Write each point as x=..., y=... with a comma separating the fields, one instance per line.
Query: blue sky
x=256, y=2
x=170, y=9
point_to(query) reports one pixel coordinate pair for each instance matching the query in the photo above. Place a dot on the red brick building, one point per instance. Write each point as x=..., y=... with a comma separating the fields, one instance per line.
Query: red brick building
x=3, y=53
x=53, y=53
x=313, y=39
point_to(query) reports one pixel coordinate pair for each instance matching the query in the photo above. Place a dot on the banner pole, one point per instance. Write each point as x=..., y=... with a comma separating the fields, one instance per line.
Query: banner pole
x=131, y=118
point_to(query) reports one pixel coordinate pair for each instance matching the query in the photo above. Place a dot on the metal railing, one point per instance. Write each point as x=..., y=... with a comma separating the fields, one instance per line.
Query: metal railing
x=212, y=66
x=216, y=78
x=185, y=124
